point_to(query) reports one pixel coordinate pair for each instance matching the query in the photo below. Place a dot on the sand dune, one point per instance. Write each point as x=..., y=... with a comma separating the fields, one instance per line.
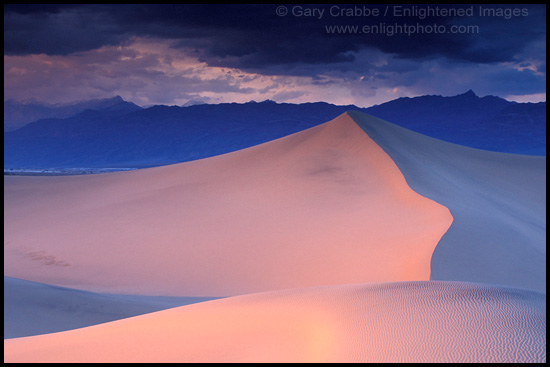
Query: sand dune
x=390, y=322
x=300, y=219
x=498, y=202
x=33, y=308
x=321, y=207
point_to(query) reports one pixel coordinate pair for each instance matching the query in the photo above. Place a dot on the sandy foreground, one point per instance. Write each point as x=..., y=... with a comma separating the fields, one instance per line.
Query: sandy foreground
x=389, y=322
x=322, y=241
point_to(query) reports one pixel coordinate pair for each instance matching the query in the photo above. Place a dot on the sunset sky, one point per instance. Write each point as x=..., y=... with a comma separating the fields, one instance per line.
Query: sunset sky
x=173, y=54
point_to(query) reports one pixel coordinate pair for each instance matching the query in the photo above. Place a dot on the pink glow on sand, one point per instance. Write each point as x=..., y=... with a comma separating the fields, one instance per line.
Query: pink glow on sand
x=390, y=322
x=284, y=229
x=321, y=207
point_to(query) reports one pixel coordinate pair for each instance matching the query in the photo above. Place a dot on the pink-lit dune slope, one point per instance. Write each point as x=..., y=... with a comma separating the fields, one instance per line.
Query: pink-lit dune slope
x=321, y=207
x=389, y=322
x=317, y=239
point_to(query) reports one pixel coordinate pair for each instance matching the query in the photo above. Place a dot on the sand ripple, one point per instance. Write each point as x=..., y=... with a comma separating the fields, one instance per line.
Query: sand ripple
x=386, y=322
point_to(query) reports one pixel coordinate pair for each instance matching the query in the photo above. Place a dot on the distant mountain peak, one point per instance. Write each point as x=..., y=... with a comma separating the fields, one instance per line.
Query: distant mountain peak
x=470, y=94
x=267, y=101
x=18, y=114
x=193, y=102
x=115, y=99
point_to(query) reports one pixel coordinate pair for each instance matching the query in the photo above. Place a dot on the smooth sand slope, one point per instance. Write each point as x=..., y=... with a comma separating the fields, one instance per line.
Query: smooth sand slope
x=33, y=308
x=498, y=202
x=321, y=207
x=390, y=322
x=327, y=206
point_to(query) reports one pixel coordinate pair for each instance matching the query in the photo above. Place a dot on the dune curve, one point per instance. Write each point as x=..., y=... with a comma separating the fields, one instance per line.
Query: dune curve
x=388, y=322
x=498, y=203
x=321, y=207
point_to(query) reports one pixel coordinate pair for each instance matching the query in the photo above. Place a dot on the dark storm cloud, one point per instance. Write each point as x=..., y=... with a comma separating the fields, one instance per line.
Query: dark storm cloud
x=253, y=38
x=58, y=30
x=64, y=29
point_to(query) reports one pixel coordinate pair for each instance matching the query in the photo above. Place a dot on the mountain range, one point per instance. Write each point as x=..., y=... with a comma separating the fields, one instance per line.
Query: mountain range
x=117, y=133
x=18, y=114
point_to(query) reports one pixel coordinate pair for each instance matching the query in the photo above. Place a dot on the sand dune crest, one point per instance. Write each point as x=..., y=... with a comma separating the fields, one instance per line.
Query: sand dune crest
x=321, y=207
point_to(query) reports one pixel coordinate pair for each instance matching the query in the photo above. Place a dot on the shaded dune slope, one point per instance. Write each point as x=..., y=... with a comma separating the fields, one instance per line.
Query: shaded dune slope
x=498, y=203
x=34, y=308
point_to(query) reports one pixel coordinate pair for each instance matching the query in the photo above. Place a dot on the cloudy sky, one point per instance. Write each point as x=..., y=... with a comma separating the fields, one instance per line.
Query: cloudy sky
x=342, y=54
